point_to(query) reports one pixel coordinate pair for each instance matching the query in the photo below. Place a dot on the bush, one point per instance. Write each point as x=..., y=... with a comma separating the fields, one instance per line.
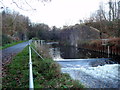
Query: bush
x=35, y=38
x=49, y=70
x=5, y=39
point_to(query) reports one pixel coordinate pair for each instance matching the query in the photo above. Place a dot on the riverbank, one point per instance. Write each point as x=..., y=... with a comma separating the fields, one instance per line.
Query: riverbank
x=46, y=74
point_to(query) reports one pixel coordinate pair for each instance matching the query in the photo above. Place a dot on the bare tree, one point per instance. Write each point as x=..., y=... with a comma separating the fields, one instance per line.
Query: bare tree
x=118, y=10
x=113, y=10
x=21, y=3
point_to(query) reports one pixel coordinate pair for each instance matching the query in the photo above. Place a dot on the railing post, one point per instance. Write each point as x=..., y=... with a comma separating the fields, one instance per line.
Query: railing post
x=31, y=86
x=108, y=51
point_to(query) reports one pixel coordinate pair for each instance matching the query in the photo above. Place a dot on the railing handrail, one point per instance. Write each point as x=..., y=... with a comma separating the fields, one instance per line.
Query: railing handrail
x=31, y=85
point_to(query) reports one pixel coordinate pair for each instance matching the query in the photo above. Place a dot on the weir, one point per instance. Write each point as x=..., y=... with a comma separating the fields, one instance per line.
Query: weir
x=93, y=69
x=70, y=60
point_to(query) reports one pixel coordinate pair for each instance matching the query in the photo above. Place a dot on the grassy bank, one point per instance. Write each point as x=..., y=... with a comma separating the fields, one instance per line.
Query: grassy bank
x=10, y=44
x=46, y=73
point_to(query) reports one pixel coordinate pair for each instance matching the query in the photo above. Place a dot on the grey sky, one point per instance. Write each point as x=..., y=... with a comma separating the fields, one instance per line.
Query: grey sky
x=56, y=12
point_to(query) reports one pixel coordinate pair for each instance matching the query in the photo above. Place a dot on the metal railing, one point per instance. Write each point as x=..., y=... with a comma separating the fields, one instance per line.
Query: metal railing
x=31, y=83
x=37, y=53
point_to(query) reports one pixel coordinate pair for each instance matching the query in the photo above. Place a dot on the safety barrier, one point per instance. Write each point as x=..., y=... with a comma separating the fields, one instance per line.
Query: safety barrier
x=31, y=83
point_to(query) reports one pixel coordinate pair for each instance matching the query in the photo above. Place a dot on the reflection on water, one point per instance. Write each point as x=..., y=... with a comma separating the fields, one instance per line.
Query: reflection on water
x=75, y=53
x=68, y=52
x=83, y=57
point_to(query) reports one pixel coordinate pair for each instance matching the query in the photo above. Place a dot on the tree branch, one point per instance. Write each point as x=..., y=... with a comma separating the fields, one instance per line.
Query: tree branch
x=29, y=5
x=21, y=7
x=2, y=4
x=18, y=6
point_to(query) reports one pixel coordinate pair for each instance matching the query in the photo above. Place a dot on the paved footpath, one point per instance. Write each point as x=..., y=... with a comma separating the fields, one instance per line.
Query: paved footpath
x=7, y=54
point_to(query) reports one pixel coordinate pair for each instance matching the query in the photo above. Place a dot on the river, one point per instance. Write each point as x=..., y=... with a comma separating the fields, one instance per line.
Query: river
x=94, y=70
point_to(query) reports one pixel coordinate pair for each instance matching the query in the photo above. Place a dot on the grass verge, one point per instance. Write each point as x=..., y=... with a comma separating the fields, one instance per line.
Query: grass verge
x=46, y=73
x=10, y=44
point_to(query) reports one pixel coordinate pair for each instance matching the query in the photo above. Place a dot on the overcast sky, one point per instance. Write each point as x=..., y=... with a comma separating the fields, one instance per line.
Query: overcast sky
x=56, y=12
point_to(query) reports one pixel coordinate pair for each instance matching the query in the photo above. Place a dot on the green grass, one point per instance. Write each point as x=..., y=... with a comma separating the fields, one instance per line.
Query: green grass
x=10, y=44
x=17, y=71
x=46, y=73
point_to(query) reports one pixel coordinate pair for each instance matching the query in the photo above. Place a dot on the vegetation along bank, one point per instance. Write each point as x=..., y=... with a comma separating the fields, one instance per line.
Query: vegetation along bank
x=46, y=73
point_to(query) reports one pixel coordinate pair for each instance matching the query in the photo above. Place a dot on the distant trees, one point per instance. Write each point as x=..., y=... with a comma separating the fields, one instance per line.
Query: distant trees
x=14, y=25
x=18, y=27
x=113, y=10
x=55, y=33
x=78, y=34
x=41, y=31
x=107, y=21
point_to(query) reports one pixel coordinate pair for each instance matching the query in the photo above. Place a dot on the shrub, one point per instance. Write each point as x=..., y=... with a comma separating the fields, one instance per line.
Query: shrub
x=35, y=38
x=5, y=39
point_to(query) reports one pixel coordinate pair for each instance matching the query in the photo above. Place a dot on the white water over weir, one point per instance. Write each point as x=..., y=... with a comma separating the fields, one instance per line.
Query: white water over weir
x=96, y=77
x=91, y=75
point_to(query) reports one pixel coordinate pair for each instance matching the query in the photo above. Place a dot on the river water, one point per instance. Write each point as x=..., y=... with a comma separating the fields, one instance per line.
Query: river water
x=94, y=70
